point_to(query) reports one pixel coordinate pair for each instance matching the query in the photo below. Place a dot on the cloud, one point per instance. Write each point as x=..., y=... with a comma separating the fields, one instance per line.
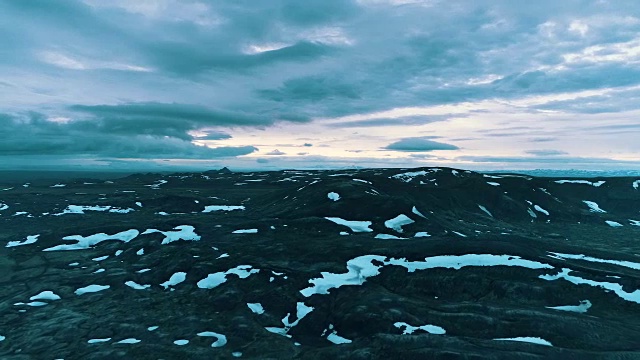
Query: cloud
x=214, y=135
x=406, y=120
x=168, y=119
x=275, y=152
x=139, y=77
x=546, y=152
x=34, y=134
x=419, y=144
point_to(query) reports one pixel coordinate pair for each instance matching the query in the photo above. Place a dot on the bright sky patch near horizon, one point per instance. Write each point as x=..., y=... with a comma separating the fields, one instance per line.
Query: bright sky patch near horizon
x=187, y=84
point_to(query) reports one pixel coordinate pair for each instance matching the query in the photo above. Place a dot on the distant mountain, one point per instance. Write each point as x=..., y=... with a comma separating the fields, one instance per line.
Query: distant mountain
x=426, y=263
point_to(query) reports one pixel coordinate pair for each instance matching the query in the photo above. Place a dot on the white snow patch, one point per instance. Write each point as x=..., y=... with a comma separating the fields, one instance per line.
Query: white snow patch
x=118, y=253
x=58, y=185
x=362, y=267
x=157, y=184
x=95, y=341
x=388, y=237
x=86, y=242
x=409, y=176
x=30, y=240
x=367, y=182
x=138, y=203
x=143, y=270
x=245, y=231
x=128, y=341
x=3, y=206
x=333, y=196
x=99, y=271
x=398, y=222
x=211, y=208
x=531, y=213
x=596, y=184
x=302, y=310
x=220, y=341
x=533, y=340
x=100, y=258
x=582, y=308
x=216, y=279
x=615, y=287
x=627, y=264
x=493, y=183
x=45, y=295
x=355, y=226
x=140, y=252
x=485, y=210
x=422, y=234
x=539, y=209
x=636, y=184
x=256, y=308
x=174, y=280
x=91, y=289
x=613, y=223
x=80, y=209
x=593, y=206
x=337, y=339
x=634, y=222
x=136, y=286
x=182, y=232
x=417, y=212
x=409, y=329
x=152, y=328
x=181, y=342
x=459, y=234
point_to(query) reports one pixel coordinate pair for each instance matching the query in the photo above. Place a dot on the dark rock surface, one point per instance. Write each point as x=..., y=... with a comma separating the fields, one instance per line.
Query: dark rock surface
x=497, y=252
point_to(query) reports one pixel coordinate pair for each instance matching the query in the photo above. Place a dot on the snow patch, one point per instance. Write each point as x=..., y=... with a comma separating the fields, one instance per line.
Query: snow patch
x=409, y=329
x=86, y=242
x=183, y=232
x=221, y=340
x=45, y=295
x=388, y=237
x=613, y=223
x=256, y=308
x=91, y=289
x=417, y=212
x=539, y=209
x=581, y=308
x=614, y=287
x=593, y=206
x=596, y=184
x=362, y=267
x=216, y=279
x=333, y=196
x=174, y=280
x=627, y=264
x=30, y=240
x=355, y=226
x=245, y=231
x=136, y=286
x=398, y=222
x=422, y=234
x=485, y=210
x=211, y=208
x=532, y=340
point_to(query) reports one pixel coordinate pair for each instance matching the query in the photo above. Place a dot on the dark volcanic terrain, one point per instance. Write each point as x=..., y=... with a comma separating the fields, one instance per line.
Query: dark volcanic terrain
x=429, y=263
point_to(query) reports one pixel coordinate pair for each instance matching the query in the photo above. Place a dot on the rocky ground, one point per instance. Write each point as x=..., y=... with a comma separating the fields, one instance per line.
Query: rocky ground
x=430, y=263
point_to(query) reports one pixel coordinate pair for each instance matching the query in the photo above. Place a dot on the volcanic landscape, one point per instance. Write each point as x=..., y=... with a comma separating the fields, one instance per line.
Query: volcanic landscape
x=427, y=263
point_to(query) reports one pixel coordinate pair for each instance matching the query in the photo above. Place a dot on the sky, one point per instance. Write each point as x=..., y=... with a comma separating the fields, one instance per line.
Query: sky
x=319, y=84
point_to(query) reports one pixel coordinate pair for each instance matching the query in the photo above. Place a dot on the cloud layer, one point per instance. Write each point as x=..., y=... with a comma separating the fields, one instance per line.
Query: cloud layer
x=358, y=79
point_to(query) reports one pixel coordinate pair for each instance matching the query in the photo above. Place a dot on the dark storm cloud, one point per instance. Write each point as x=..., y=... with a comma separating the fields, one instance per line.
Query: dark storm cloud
x=418, y=145
x=161, y=119
x=33, y=134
